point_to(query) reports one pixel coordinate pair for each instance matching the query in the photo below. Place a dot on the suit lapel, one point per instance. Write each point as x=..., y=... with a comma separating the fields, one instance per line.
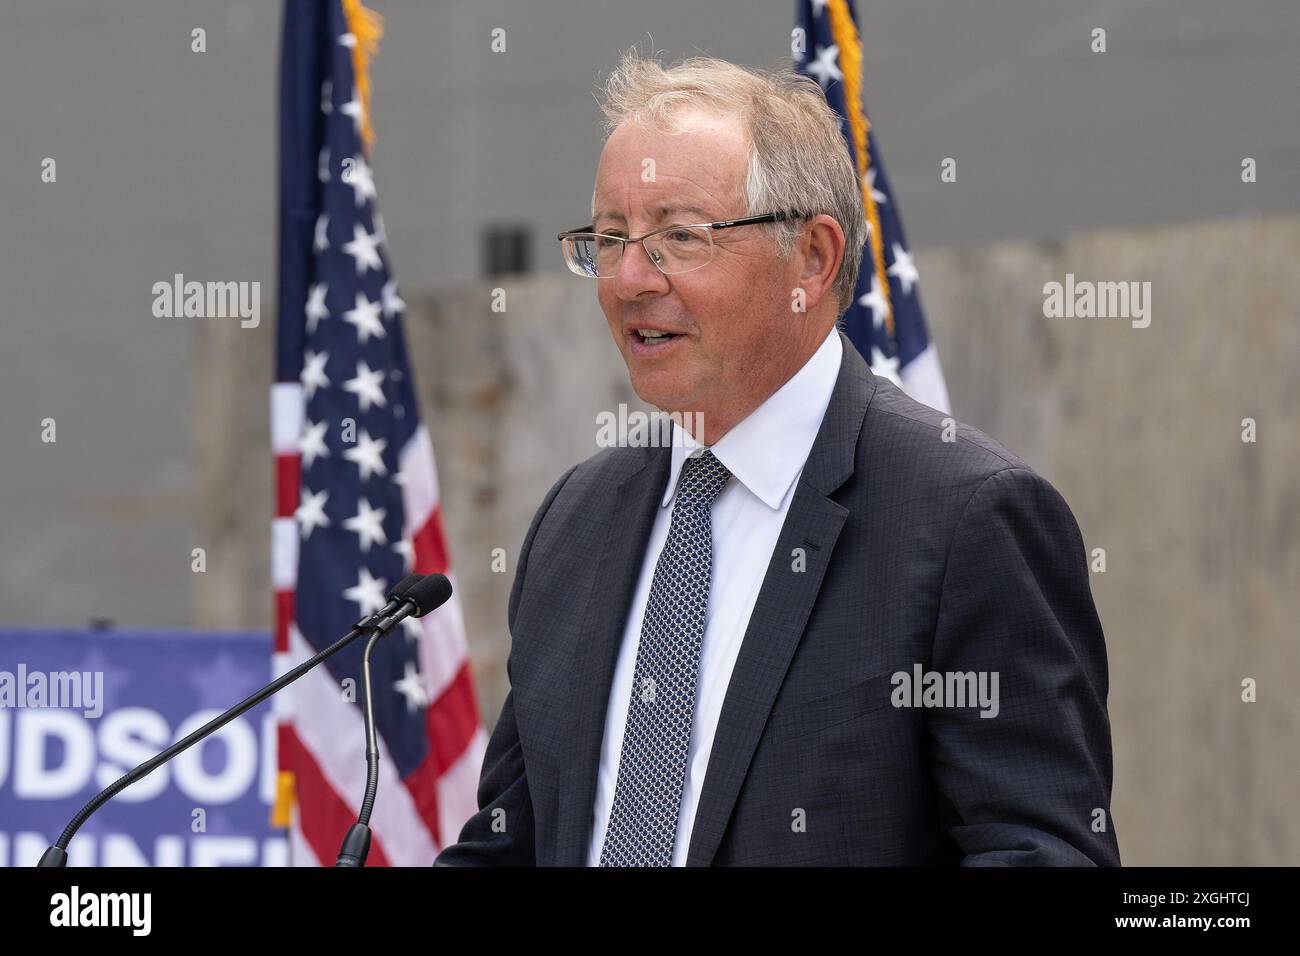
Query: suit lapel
x=634, y=498
x=784, y=603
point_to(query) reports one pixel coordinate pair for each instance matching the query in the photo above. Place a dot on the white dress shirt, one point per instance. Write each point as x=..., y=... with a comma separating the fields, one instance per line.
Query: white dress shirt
x=765, y=454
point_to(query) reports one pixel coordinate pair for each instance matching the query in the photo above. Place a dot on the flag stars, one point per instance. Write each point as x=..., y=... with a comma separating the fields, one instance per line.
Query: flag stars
x=367, y=455
x=313, y=372
x=362, y=180
x=322, y=241
x=406, y=549
x=411, y=686
x=903, y=269
x=877, y=196
x=885, y=366
x=392, y=304
x=311, y=513
x=824, y=68
x=368, y=525
x=316, y=309
x=363, y=248
x=365, y=316
x=368, y=592
x=312, y=443
x=366, y=386
x=414, y=631
x=875, y=301
x=354, y=109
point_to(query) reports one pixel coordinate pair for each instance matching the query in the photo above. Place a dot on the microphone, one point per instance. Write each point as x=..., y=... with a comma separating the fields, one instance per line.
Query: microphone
x=395, y=598
x=427, y=594
x=401, y=604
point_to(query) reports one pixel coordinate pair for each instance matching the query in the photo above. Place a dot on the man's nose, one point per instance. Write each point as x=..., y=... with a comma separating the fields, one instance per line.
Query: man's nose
x=637, y=276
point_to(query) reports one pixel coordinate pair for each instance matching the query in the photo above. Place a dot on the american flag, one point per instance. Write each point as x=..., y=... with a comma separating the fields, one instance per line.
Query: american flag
x=885, y=322
x=357, y=504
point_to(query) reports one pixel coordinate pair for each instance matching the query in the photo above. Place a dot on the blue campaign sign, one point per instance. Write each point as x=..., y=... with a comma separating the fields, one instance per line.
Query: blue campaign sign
x=78, y=709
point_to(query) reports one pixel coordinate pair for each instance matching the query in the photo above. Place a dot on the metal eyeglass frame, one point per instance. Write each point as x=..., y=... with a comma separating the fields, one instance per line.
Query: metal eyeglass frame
x=720, y=224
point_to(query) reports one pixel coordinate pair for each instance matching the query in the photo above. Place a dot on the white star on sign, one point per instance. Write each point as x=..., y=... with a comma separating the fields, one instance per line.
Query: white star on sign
x=366, y=386
x=327, y=96
x=312, y=443
x=412, y=688
x=348, y=40
x=904, y=269
x=311, y=513
x=885, y=366
x=818, y=7
x=824, y=67
x=323, y=165
x=322, y=238
x=313, y=371
x=366, y=318
x=367, y=523
x=875, y=301
x=368, y=455
x=316, y=309
x=362, y=181
x=392, y=304
x=363, y=249
x=368, y=592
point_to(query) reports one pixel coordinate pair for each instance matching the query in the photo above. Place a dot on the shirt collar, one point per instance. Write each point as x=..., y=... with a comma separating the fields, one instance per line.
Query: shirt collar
x=767, y=449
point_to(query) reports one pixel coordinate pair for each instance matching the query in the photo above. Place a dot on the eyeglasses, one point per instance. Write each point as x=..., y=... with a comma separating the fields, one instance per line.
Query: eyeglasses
x=673, y=249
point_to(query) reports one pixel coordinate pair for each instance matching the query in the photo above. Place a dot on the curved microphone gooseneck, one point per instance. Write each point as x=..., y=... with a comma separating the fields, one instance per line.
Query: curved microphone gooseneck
x=430, y=593
x=57, y=855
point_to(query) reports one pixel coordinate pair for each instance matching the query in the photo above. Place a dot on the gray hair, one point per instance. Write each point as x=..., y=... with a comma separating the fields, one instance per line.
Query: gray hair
x=798, y=159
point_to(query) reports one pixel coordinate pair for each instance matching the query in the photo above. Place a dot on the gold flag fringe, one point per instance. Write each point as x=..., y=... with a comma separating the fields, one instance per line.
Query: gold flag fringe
x=846, y=38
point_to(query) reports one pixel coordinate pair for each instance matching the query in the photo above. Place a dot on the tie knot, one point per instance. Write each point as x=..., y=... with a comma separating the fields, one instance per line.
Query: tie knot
x=703, y=477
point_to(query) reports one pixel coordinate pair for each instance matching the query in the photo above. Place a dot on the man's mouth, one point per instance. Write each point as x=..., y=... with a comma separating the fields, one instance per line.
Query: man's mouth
x=651, y=341
x=654, y=336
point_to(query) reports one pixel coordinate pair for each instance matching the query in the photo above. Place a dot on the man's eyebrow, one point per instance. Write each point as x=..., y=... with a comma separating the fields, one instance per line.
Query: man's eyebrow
x=662, y=213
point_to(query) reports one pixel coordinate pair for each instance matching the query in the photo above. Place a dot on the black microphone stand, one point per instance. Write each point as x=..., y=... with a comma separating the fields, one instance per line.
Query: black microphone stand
x=418, y=600
x=356, y=842
x=57, y=855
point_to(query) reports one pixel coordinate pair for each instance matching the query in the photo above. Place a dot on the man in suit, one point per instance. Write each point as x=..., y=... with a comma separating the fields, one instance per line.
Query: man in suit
x=825, y=624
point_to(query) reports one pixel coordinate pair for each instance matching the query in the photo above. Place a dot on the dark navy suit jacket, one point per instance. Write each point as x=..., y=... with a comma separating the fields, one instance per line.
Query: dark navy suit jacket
x=948, y=554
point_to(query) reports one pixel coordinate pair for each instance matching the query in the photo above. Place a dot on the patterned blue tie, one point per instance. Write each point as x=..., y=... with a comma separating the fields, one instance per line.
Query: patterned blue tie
x=652, y=766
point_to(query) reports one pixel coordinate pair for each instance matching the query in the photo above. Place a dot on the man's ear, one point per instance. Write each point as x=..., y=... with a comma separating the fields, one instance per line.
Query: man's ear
x=822, y=248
